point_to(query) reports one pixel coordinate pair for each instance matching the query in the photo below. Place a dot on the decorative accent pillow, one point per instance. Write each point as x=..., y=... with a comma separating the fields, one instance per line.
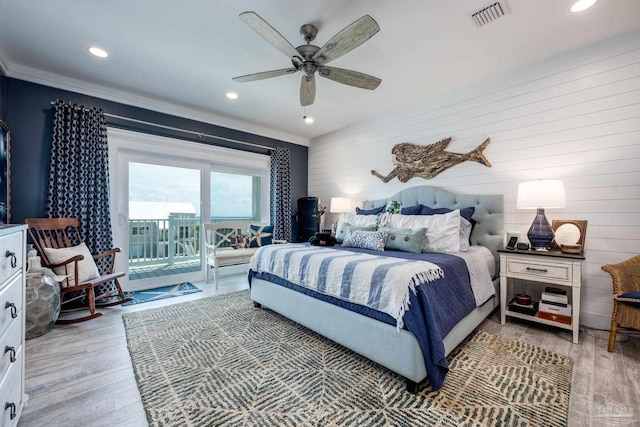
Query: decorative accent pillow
x=443, y=231
x=87, y=268
x=405, y=240
x=260, y=235
x=239, y=241
x=342, y=229
x=372, y=211
x=465, y=213
x=374, y=240
x=353, y=220
x=411, y=210
x=393, y=207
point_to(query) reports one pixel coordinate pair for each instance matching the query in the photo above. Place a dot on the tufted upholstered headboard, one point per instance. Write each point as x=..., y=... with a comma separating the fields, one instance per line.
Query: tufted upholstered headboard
x=489, y=213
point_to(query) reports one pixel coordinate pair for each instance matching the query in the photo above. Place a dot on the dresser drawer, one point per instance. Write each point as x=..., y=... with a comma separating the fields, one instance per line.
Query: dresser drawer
x=10, y=303
x=10, y=345
x=542, y=270
x=11, y=248
x=11, y=394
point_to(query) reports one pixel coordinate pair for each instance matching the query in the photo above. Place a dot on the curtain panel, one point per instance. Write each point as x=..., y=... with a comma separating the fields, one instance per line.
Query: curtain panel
x=281, y=194
x=79, y=174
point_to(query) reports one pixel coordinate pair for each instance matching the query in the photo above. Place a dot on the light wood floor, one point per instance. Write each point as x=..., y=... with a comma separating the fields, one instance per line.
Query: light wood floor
x=81, y=375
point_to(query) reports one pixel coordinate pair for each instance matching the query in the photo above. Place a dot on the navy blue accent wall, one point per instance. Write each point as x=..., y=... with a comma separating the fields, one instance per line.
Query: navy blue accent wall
x=2, y=97
x=29, y=114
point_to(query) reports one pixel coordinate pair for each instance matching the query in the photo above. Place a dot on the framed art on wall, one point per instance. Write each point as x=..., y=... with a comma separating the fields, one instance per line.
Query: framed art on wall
x=5, y=174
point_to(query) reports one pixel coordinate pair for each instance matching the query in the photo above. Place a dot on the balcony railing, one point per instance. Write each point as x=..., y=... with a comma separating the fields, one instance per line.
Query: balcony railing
x=167, y=241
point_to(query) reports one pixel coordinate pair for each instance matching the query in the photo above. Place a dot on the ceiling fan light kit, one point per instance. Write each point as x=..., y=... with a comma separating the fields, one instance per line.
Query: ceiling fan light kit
x=310, y=59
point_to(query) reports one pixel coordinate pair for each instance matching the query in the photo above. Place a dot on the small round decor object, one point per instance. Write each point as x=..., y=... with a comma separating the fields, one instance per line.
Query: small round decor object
x=571, y=249
x=42, y=304
x=567, y=234
x=523, y=299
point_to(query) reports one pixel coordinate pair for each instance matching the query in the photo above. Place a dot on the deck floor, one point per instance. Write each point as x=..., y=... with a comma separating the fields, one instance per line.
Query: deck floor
x=150, y=271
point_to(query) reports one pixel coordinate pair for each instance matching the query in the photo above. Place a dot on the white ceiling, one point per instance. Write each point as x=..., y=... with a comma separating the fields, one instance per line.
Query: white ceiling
x=179, y=56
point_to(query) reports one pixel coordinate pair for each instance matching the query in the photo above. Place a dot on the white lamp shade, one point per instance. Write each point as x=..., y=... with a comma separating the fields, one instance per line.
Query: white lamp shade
x=543, y=193
x=340, y=205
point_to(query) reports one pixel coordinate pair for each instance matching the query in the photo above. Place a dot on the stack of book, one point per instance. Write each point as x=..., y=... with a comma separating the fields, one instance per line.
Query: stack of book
x=554, y=305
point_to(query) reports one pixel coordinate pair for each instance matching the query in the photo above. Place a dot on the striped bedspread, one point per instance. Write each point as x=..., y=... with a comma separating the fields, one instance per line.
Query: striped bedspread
x=378, y=282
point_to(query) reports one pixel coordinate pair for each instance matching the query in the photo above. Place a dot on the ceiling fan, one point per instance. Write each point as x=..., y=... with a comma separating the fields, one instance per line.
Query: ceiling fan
x=309, y=58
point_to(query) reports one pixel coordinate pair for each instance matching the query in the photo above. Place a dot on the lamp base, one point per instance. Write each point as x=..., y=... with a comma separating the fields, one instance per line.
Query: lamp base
x=540, y=233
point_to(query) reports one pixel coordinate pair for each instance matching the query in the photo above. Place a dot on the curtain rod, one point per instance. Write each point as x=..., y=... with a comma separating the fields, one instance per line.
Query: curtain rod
x=192, y=132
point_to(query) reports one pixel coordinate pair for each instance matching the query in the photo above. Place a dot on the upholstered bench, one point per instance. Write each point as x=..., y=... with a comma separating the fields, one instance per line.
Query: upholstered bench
x=219, y=238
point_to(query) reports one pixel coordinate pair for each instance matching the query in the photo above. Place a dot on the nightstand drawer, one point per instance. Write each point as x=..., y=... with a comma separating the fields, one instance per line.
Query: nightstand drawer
x=540, y=270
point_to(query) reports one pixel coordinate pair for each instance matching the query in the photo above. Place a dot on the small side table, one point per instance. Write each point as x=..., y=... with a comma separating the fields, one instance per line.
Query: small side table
x=553, y=267
x=42, y=304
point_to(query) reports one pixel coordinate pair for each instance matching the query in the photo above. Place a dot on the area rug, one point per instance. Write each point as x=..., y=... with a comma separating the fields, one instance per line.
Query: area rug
x=221, y=362
x=163, y=292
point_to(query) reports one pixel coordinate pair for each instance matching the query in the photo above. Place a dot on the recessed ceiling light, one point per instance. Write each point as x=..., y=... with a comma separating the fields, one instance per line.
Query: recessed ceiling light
x=308, y=120
x=96, y=51
x=581, y=5
x=232, y=95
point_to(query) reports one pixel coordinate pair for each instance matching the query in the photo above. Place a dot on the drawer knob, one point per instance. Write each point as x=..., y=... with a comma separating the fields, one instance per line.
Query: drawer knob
x=14, y=260
x=14, y=309
x=11, y=406
x=540, y=270
x=12, y=353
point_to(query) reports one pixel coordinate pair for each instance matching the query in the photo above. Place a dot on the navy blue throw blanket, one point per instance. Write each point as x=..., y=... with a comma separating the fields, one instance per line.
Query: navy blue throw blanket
x=434, y=310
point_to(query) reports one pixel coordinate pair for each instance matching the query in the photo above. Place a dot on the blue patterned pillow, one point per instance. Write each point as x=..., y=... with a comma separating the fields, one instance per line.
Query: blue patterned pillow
x=260, y=235
x=374, y=240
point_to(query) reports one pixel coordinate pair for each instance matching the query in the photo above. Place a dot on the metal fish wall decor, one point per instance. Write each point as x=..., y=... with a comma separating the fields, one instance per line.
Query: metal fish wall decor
x=427, y=161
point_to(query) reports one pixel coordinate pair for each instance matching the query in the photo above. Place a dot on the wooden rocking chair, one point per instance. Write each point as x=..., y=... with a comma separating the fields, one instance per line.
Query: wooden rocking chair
x=54, y=239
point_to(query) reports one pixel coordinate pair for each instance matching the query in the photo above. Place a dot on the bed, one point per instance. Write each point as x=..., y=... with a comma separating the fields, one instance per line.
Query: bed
x=384, y=342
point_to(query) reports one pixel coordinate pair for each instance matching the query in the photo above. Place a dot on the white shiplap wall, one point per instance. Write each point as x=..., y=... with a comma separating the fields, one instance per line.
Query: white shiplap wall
x=575, y=117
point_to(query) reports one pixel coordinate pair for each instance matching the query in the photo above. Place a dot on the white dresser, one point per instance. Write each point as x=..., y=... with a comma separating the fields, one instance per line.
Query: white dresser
x=13, y=239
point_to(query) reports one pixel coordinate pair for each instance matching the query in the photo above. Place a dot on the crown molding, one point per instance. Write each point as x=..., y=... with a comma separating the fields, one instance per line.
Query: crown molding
x=59, y=82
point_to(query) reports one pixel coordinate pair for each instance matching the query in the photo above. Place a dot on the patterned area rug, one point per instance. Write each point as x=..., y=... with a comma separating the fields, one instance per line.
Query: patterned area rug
x=221, y=362
x=161, y=293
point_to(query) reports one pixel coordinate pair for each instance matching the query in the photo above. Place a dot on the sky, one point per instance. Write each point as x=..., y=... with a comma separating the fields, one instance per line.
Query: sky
x=230, y=194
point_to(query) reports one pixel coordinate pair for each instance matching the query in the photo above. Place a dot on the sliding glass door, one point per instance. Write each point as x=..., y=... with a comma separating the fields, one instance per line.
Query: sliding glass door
x=163, y=190
x=164, y=221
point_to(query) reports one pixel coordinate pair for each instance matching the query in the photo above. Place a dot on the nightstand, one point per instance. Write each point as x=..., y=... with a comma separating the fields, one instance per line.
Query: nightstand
x=553, y=268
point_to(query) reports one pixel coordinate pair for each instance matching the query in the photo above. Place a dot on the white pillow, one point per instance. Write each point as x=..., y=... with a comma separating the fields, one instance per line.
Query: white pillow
x=87, y=268
x=443, y=231
x=465, y=234
x=358, y=220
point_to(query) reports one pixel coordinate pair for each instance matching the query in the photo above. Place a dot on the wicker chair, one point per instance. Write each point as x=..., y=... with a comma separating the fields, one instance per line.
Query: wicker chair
x=626, y=296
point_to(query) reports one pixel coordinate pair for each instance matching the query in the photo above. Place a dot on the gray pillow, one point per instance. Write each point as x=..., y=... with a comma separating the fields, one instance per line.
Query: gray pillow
x=406, y=240
x=344, y=227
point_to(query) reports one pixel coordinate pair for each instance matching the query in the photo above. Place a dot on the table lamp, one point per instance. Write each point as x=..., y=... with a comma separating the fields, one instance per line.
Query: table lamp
x=339, y=205
x=541, y=194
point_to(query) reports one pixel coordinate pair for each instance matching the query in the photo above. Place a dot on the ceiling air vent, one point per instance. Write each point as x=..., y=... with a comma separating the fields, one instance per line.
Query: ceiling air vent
x=488, y=14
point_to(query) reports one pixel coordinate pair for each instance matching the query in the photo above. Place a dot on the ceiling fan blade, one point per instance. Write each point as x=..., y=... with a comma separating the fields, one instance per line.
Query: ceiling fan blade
x=264, y=75
x=307, y=91
x=349, y=77
x=269, y=33
x=349, y=38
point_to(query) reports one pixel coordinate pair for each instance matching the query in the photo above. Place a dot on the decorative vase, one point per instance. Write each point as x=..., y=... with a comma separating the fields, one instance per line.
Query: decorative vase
x=540, y=233
x=42, y=304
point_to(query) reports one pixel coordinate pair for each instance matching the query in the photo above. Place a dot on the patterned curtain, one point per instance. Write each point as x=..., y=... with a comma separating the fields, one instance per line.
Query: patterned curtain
x=79, y=174
x=281, y=194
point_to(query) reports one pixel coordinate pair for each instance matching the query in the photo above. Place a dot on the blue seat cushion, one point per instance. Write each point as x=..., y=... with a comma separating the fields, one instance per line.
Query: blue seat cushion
x=635, y=295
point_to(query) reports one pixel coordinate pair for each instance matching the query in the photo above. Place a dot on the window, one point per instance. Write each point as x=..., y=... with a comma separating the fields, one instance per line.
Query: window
x=235, y=196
